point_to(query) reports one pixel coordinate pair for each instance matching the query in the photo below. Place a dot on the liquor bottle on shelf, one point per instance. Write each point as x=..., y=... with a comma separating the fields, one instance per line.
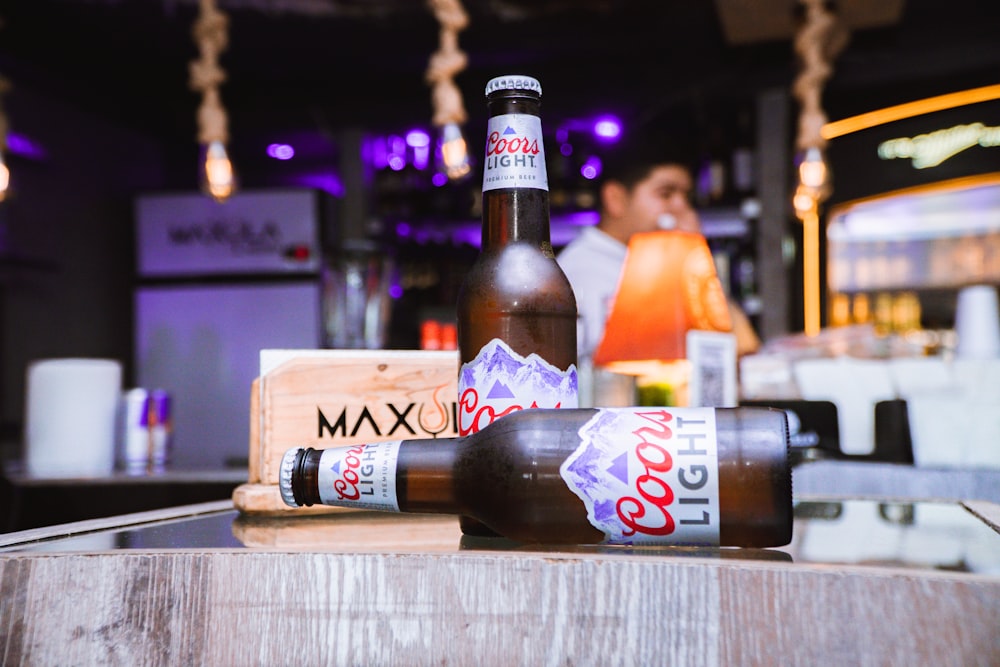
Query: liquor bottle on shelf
x=516, y=309
x=743, y=169
x=640, y=475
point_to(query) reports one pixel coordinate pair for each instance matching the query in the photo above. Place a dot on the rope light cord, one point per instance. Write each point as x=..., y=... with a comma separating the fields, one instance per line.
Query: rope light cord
x=817, y=43
x=210, y=34
x=446, y=62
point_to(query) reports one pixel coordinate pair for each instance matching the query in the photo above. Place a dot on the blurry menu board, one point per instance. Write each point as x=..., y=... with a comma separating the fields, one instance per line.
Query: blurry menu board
x=941, y=235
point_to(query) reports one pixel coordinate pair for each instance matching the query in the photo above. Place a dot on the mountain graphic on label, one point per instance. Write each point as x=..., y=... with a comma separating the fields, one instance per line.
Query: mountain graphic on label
x=520, y=376
x=500, y=390
x=619, y=467
x=336, y=466
x=509, y=130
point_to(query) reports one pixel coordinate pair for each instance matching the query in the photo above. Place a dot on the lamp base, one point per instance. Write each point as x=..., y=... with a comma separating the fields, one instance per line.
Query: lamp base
x=660, y=383
x=603, y=388
x=656, y=394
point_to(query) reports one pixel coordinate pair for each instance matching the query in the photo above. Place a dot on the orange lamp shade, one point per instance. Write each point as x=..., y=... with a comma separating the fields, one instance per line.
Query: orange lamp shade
x=668, y=286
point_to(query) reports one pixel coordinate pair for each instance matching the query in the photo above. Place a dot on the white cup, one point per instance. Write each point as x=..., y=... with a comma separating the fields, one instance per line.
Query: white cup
x=70, y=417
x=977, y=323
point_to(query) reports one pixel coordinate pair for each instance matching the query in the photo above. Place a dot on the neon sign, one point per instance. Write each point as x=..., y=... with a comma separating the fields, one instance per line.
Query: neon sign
x=933, y=148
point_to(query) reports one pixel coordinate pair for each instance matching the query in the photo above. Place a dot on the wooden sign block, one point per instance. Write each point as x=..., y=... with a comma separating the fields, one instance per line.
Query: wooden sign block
x=325, y=398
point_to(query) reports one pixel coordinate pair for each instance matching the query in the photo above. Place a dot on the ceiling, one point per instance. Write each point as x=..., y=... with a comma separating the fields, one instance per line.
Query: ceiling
x=313, y=67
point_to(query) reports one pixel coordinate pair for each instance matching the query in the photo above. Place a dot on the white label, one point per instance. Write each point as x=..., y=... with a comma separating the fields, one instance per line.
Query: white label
x=713, y=369
x=649, y=475
x=515, y=153
x=360, y=476
x=500, y=381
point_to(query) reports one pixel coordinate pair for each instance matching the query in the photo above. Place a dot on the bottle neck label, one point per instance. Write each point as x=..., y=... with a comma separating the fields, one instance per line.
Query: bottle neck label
x=515, y=153
x=500, y=381
x=649, y=475
x=360, y=476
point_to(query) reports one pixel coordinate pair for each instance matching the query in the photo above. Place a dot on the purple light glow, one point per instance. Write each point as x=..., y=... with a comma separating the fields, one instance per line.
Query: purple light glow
x=566, y=149
x=421, y=156
x=418, y=139
x=471, y=234
x=439, y=179
x=396, y=144
x=327, y=182
x=608, y=128
x=378, y=153
x=281, y=151
x=403, y=230
x=395, y=152
x=19, y=144
x=591, y=169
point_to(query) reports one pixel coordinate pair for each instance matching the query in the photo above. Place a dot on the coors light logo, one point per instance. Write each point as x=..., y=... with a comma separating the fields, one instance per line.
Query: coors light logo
x=649, y=475
x=515, y=154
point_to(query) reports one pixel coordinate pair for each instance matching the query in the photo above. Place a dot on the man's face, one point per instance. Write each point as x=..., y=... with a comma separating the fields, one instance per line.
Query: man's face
x=665, y=192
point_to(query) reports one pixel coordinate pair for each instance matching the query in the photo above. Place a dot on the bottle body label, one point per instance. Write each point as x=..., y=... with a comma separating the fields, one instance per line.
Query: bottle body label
x=515, y=153
x=500, y=381
x=360, y=476
x=649, y=475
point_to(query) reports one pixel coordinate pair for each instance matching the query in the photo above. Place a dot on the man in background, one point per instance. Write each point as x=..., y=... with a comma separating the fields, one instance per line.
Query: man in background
x=640, y=191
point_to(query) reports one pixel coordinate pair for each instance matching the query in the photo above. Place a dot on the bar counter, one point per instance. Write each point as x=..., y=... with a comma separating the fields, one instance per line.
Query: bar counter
x=863, y=583
x=896, y=480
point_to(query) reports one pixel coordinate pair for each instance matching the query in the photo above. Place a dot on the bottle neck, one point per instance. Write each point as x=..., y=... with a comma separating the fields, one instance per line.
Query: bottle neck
x=425, y=476
x=516, y=215
x=515, y=183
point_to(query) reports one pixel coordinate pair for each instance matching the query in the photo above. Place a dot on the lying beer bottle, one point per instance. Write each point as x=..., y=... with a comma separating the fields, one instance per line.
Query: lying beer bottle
x=637, y=475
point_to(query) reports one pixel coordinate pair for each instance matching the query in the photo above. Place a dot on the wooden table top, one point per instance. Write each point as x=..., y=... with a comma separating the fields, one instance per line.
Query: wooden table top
x=863, y=582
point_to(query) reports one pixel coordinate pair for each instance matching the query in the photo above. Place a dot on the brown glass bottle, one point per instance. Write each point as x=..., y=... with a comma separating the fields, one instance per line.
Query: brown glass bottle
x=517, y=477
x=516, y=309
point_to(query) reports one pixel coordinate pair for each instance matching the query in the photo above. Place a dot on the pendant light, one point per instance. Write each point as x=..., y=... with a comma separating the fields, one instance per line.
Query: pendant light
x=4, y=170
x=820, y=38
x=449, y=111
x=216, y=175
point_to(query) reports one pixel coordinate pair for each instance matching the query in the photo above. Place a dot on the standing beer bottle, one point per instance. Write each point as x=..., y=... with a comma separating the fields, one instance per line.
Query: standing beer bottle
x=516, y=309
x=640, y=475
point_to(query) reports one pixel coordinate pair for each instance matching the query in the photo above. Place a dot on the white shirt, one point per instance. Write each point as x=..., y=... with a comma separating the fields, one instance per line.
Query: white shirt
x=593, y=264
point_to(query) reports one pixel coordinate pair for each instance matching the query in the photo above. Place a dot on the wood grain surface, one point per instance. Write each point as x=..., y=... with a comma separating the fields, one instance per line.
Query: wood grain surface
x=418, y=596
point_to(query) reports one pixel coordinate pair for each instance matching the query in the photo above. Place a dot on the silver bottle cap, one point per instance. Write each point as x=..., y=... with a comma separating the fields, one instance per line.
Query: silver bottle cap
x=513, y=82
x=285, y=477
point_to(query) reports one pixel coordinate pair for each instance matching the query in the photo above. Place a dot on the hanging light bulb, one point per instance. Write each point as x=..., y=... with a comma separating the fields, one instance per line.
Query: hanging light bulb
x=217, y=176
x=4, y=169
x=449, y=110
x=4, y=177
x=812, y=169
x=814, y=181
x=210, y=32
x=803, y=201
x=454, y=152
x=813, y=188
